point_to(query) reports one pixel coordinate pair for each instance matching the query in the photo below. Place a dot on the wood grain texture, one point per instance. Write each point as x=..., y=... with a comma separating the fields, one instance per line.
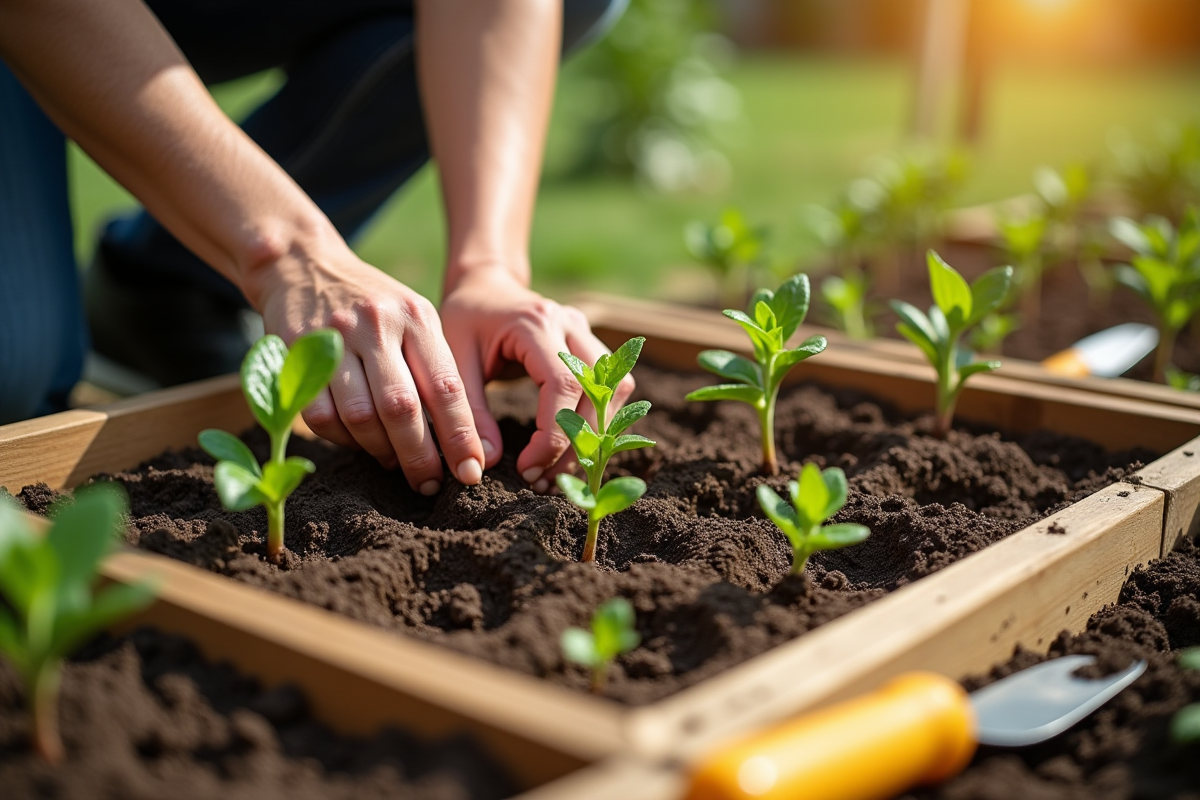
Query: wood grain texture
x=1178, y=474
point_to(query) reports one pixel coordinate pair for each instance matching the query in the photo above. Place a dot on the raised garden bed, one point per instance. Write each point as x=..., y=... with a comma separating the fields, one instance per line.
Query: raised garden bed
x=1023, y=589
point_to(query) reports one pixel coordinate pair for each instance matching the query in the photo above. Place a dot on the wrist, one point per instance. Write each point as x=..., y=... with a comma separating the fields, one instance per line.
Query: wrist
x=487, y=269
x=281, y=251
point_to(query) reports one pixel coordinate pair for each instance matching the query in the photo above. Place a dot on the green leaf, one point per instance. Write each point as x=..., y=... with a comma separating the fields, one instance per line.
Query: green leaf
x=613, y=628
x=1130, y=234
x=764, y=316
x=579, y=646
x=790, y=358
x=595, y=391
x=260, y=382
x=627, y=416
x=950, y=291
x=621, y=363
x=1185, y=725
x=237, y=487
x=578, y=368
x=1132, y=279
x=631, y=441
x=790, y=304
x=728, y=391
x=307, y=369
x=111, y=604
x=583, y=439
x=576, y=491
x=764, y=343
x=778, y=510
x=1190, y=658
x=920, y=329
x=28, y=571
x=84, y=531
x=989, y=292
x=810, y=496
x=843, y=534
x=14, y=529
x=280, y=480
x=835, y=482
x=618, y=495
x=975, y=368
x=12, y=644
x=226, y=447
x=730, y=366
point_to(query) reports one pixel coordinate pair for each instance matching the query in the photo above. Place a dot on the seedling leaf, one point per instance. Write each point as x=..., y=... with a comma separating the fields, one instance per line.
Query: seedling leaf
x=730, y=366
x=950, y=291
x=627, y=416
x=618, y=495
x=237, y=487
x=989, y=292
x=224, y=446
x=842, y=534
x=810, y=496
x=260, y=381
x=631, y=441
x=579, y=646
x=307, y=369
x=576, y=491
x=728, y=391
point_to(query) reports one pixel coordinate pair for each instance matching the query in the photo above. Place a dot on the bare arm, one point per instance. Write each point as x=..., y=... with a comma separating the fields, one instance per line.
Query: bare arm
x=487, y=70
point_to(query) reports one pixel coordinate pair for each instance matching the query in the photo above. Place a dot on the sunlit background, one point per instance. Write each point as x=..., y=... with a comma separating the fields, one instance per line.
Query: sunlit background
x=691, y=107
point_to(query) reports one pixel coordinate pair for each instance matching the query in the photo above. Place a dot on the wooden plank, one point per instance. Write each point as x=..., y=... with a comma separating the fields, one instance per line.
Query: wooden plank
x=359, y=678
x=615, y=780
x=1178, y=474
x=1022, y=590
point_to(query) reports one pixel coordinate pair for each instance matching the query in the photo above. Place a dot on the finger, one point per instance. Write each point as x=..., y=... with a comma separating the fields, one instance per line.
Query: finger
x=470, y=368
x=356, y=408
x=443, y=394
x=322, y=418
x=557, y=389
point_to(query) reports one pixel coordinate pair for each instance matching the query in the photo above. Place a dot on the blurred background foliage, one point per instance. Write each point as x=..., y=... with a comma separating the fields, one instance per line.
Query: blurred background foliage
x=774, y=107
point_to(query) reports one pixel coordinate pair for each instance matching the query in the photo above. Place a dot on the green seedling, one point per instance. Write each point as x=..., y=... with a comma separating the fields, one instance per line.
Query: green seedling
x=1183, y=381
x=958, y=307
x=1164, y=272
x=773, y=318
x=847, y=298
x=817, y=496
x=593, y=448
x=1185, y=725
x=612, y=634
x=278, y=383
x=49, y=607
x=989, y=335
x=730, y=248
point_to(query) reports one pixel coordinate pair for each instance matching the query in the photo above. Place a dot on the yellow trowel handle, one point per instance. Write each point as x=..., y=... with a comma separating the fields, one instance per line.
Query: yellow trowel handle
x=919, y=728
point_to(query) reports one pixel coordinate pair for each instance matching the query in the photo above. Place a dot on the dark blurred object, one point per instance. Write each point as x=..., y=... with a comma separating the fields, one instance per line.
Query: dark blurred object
x=652, y=95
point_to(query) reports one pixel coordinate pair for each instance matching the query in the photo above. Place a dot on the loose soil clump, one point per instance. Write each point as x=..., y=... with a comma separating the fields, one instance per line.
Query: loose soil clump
x=491, y=570
x=1123, y=751
x=145, y=716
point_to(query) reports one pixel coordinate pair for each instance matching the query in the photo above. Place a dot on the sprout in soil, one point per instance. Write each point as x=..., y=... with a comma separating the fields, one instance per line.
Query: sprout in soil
x=1183, y=381
x=1185, y=725
x=1165, y=272
x=847, y=298
x=49, y=606
x=730, y=248
x=958, y=307
x=278, y=383
x=773, y=318
x=612, y=634
x=817, y=496
x=593, y=448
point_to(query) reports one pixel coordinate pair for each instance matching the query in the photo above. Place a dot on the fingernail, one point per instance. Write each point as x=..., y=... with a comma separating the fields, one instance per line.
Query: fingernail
x=430, y=488
x=532, y=474
x=489, y=450
x=541, y=486
x=470, y=472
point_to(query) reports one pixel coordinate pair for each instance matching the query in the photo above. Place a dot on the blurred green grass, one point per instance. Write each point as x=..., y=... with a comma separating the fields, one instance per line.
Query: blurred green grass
x=809, y=126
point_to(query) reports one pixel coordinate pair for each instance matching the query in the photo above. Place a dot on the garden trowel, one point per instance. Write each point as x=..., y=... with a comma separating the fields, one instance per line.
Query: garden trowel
x=1106, y=354
x=920, y=728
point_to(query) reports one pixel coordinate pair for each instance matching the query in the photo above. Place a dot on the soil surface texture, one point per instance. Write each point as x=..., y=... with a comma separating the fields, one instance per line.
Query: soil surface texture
x=1069, y=312
x=1123, y=751
x=491, y=570
x=144, y=717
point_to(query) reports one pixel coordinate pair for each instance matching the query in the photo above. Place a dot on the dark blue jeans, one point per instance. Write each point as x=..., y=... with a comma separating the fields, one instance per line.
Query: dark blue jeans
x=347, y=126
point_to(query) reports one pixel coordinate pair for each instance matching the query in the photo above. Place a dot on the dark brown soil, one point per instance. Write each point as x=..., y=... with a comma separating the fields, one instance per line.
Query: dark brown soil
x=1123, y=751
x=145, y=717
x=1067, y=316
x=490, y=570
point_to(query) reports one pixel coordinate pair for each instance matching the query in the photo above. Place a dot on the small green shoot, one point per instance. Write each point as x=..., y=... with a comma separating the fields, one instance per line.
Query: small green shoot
x=1183, y=381
x=1164, y=272
x=773, y=318
x=817, y=496
x=989, y=335
x=49, y=607
x=959, y=306
x=1185, y=725
x=847, y=297
x=593, y=448
x=612, y=634
x=731, y=247
x=278, y=383
x=1024, y=247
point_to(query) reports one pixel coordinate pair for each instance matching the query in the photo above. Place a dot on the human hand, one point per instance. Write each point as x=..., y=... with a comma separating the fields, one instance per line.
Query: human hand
x=397, y=367
x=493, y=321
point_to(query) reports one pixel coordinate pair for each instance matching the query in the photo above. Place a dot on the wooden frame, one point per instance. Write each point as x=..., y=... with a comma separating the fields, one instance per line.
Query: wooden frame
x=1023, y=590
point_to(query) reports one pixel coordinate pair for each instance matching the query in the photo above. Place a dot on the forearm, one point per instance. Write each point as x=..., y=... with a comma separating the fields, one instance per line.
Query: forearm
x=487, y=71
x=113, y=80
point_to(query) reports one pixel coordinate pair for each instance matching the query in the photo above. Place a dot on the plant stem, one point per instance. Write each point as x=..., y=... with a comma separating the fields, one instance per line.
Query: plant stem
x=946, y=396
x=766, y=418
x=1162, y=354
x=44, y=711
x=589, y=544
x=275, y=532
x=599, y=678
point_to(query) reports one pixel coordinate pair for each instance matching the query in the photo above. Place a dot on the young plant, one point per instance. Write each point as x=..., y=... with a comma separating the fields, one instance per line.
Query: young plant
x=1185, y=725
x=1183, y=381
x=989, y=335
x=731, y=247
x=49, y=607
x=847, y=298
x=1024, y=247
x=959, y=306
x=593, y=448
x=612, y=634
x=278, y=383
x=817, y=496
x=1165, y=272
x=773, y=318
